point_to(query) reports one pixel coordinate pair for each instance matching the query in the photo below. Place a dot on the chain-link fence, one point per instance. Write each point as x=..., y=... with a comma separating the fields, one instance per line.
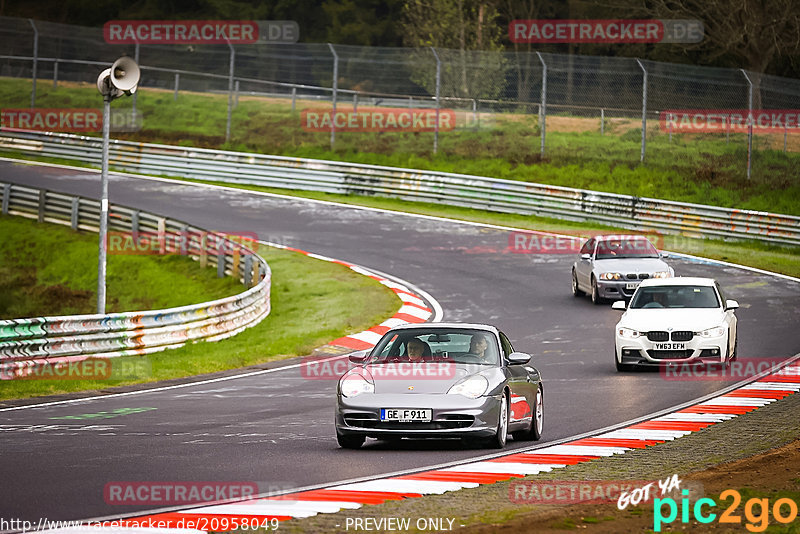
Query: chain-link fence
x=557, y=107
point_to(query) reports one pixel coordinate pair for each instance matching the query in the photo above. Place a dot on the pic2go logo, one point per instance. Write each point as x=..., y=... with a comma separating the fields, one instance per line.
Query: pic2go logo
x=756, y=511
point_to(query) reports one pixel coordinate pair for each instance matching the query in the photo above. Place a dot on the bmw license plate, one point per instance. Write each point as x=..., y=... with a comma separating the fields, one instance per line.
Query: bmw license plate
x=670, y=346
x=631, y=285
x=406, y=415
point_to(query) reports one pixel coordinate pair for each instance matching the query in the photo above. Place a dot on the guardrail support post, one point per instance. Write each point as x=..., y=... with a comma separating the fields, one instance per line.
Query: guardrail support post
x=135, y=224
x=335, y=88
x=42, y=202
x=247, y=275
x=203, y=251
x=6, y=197
x=35, y=61
x=543, y=105
x=221, y=261
x=644, y=109
x=177, y=82
x=438, y=85
x=161, y=228
x=235, y=257
x=184, y=240
x=749, y=122
x=74, y=215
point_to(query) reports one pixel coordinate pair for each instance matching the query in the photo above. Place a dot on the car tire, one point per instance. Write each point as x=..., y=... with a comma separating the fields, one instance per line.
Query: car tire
x=498, y=441
x=534, y=432
x=621, y=367
x=596, y=299
x=576, y=291
x=351, y=441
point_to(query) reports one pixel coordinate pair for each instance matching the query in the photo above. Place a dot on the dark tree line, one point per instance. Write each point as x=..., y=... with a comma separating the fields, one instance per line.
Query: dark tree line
x=759, y=35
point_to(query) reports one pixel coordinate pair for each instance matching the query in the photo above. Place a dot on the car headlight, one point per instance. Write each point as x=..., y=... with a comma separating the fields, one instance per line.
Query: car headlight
x=473, y=387
x=610, y=276
x=662, y=274
x=713, y=332
x=629, y=333
x=356, y=384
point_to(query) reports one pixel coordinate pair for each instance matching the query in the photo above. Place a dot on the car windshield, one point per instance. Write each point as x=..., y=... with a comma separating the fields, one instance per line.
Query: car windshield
x=675, y=297
x=625, y=248
x=429, y=345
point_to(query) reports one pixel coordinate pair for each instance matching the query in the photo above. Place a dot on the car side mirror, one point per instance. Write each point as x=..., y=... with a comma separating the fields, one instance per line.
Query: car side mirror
x=358, y=356
x=518, y=358
x=618, y=305
x=586, y=257
x=664, y=254
x=731, y=304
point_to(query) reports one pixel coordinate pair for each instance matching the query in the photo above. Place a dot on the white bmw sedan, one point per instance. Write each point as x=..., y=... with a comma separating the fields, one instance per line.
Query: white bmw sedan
x=676, y=320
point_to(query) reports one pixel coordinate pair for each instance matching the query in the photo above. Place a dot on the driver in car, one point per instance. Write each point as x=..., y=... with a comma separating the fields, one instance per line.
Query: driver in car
x=417, y=350
x=478, y=346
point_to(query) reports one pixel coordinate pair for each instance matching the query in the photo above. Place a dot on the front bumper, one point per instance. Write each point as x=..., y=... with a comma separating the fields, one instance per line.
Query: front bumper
x=642, y=351
x=617, y=289
x=452, y=415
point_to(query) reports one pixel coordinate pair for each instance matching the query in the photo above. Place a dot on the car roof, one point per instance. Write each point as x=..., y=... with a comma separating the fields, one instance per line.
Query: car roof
x=678, y=281
x=609, y=237
x=436, y=326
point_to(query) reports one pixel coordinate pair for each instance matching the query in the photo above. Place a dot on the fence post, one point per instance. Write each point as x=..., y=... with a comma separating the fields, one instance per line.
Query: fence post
x=236, y=90
x=35, y=62
x=669, y=121
x=474, y=112
x=136, y=94
x=602, y=121
x=437, y=93
x=785, y=133
x=177, y=81
x=749, y=122
x=355, y=102
x=55, y=74
x=294, y=97
x=230, y=92
x=74, y=218
x=543, y=105
x=335, y=88
x=644, y=109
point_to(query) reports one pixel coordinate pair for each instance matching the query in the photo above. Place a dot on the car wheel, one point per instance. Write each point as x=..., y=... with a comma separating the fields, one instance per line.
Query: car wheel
x=350, y=441
x=595, y=294
x=534, y=432
x=575, y=289
x=621, y=367
x=499, y=439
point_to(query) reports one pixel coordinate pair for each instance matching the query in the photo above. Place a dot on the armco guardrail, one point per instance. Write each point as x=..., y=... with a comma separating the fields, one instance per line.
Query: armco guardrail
x=494, y=194
x=27, y=342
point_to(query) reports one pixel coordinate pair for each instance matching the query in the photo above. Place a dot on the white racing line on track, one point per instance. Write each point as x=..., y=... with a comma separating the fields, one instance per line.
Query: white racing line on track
x=665, y=425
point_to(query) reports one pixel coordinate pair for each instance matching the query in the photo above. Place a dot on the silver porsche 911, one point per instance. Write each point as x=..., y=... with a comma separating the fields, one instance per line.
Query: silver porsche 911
x=440, y=380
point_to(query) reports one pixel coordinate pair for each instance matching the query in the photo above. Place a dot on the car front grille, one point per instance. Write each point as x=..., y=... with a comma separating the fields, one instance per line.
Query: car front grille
x=371, y=421
x=670, y=354
x=682, y=335
x=658, y=335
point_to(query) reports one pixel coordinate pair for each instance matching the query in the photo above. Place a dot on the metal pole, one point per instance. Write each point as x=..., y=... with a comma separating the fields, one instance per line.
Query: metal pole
x=474, y=112
x=644, y=110
x=230, y=93
x=602, y=121
x=177, y=81
x=101, y=264
x=35, y=62
x=55, y=74
x=785, y=133
x=236, y=90
x=333, y=96
x=438, y=84
x=136, y=94
x=294, y=96
x=543, y=105
x=355, y=102
x=749, y=123
x=669, y=120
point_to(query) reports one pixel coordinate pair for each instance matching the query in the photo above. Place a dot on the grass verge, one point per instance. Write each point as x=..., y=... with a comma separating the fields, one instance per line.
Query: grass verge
x=698, y=168
x=313, y=302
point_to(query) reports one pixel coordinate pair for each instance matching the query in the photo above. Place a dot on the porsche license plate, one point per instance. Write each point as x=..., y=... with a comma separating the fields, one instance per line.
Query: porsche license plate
x=406, y=415
x=670, y=346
